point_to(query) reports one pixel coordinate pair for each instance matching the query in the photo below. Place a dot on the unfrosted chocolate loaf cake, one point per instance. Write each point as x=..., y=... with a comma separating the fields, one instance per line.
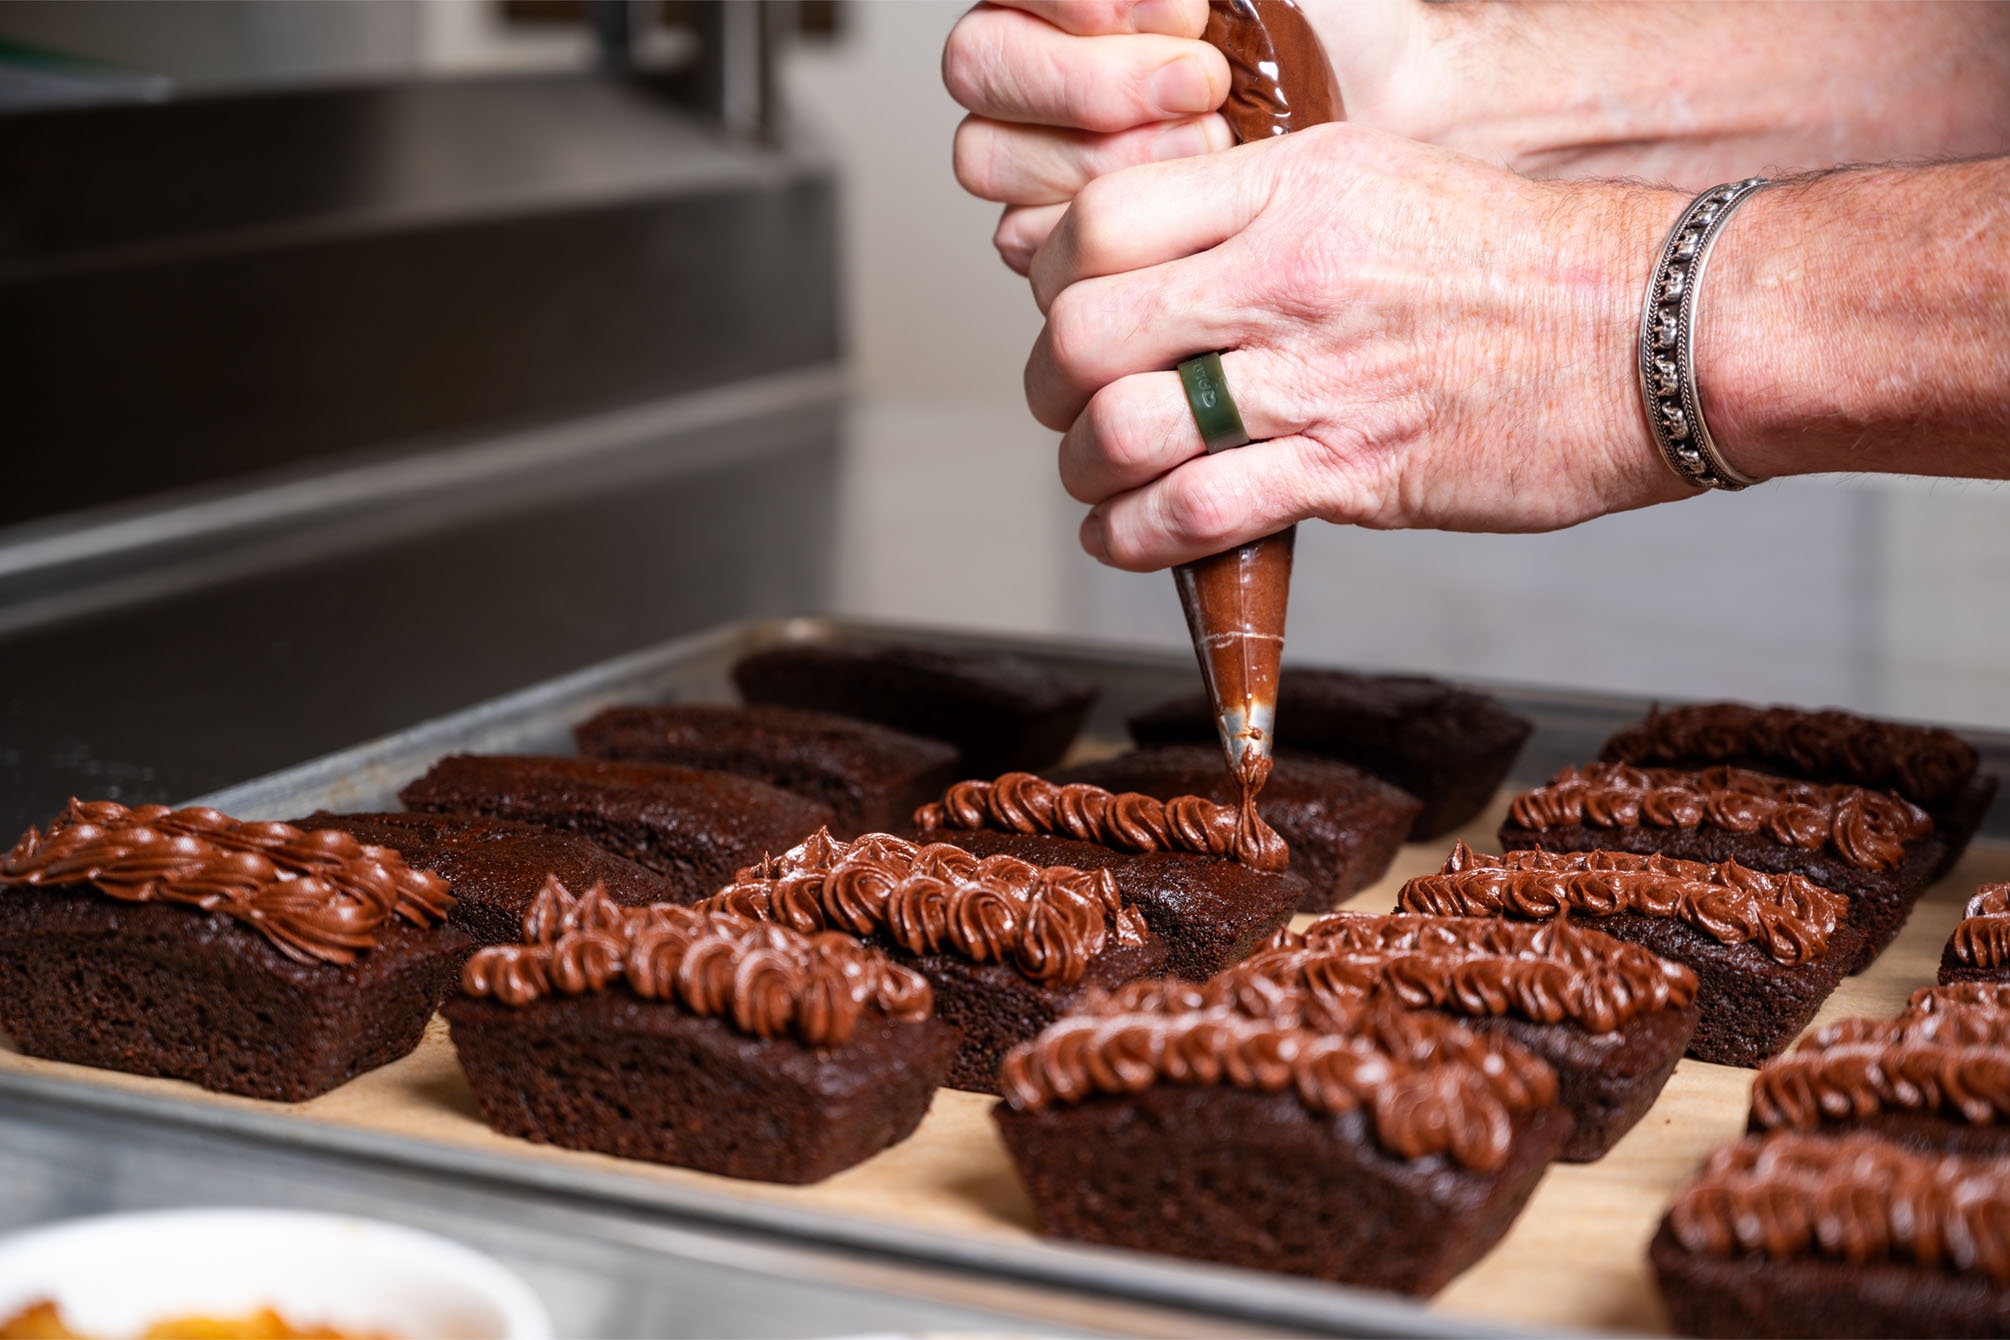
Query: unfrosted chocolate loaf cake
x=1874, y=848
x=1210, y=881
x=1348, y=1139
x=693, y=828
x=1935, y=1078
x=1979, y=949
x=702, y=1039
x=497, y=866
x=249, y=958
x=1449, y=747
x=1007, y=946
x=1767, y=949
x=871, y=776
x=1794, y=1235
x=1609, y=1017
x=1935, y=769
x=1000, y=712
x=1342, y=825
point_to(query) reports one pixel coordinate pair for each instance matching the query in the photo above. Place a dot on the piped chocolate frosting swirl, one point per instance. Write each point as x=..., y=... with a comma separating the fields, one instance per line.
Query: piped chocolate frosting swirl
x=1426, y=1084
x=319, y=896
x=1853, y=1198
x=1019, y=802
x=1951, y=1062
x=1958, y=995
x=1982, y=939
x=1788, y=917
x=763, y=978
x=1048, y=922
x=1925, y=765
x=1866, y=829
x=1548, y=973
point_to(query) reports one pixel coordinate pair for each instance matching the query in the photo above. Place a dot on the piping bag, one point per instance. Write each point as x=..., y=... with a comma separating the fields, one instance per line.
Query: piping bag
x=1280, y=81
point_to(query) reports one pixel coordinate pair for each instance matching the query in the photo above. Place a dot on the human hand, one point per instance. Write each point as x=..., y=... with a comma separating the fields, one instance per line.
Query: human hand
x=1416, y=339
x=1692, y=94
x=1063, y=91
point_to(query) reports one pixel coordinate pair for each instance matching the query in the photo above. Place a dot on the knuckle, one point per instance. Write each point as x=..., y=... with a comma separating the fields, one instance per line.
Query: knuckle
x=977, y=60
x=959, y=60
x=1120, y=432
x=1198, y=508
x=1097, y=210
x=1124, y=546
x=1071, y=337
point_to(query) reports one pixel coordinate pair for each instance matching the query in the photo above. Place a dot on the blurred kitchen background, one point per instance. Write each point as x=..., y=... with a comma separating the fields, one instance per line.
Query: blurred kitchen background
x=360, y=359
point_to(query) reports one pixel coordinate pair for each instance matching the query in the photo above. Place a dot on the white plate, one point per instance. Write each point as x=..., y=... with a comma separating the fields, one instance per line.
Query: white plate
x=115, y=1275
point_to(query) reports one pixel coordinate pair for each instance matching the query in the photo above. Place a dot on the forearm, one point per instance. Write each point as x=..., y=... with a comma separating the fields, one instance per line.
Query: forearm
x=1861, y=322
x=1685, y=93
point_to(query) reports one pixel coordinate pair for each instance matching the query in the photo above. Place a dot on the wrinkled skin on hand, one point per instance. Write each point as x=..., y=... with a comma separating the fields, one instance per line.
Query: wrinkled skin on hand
x=1415, y=339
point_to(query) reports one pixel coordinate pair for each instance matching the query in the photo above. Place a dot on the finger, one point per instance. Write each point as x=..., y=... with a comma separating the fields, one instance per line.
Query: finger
x=1021, y=230
x=1213, y=503
x=1151, y=214
x=1045, y=165
x=1174, y=18
x=1140, y=427
x=1011, y=66
x=1146, y=321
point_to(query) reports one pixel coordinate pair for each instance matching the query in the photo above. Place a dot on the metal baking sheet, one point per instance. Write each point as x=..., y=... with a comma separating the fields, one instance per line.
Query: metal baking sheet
x=1569, y=727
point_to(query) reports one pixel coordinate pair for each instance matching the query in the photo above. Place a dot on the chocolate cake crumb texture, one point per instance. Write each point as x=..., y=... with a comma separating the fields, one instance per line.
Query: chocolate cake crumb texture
x=694, y=827
x=871, y=776
x=1927, y=765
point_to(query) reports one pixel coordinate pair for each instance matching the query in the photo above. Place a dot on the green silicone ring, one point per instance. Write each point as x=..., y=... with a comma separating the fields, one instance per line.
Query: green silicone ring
x=1214, y=411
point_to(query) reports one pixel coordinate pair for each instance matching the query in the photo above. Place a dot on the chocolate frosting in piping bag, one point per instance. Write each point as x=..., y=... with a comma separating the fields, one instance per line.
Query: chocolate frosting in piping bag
x=1280, y=81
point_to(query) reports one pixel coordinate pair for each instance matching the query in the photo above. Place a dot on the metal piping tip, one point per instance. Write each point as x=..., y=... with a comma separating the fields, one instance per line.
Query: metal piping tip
x=1246, y=728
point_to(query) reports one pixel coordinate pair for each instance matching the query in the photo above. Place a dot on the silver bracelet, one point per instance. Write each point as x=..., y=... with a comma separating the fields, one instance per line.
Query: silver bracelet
x=1668, y=340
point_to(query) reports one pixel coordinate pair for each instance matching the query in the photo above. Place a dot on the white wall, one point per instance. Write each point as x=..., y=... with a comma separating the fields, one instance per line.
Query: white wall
x=1883, y=595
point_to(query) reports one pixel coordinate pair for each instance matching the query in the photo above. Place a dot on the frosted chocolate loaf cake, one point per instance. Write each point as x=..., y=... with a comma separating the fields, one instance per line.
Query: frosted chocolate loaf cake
x=870, y=776
x=1007, y=946
x=1935, y=1078
x=1767, y=949
x=1610, y=1018
x=1979, y=949
x=701, y=1039
x=1790, y=1235
x=1874, y=848
x=1350, y=1140
x=1451, y=748
x=1342, y=826
x=693, y=828
x=249, y=958
x=1210, y=881
x=1000, y=712
x=496, y=867
x=1935, y=769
